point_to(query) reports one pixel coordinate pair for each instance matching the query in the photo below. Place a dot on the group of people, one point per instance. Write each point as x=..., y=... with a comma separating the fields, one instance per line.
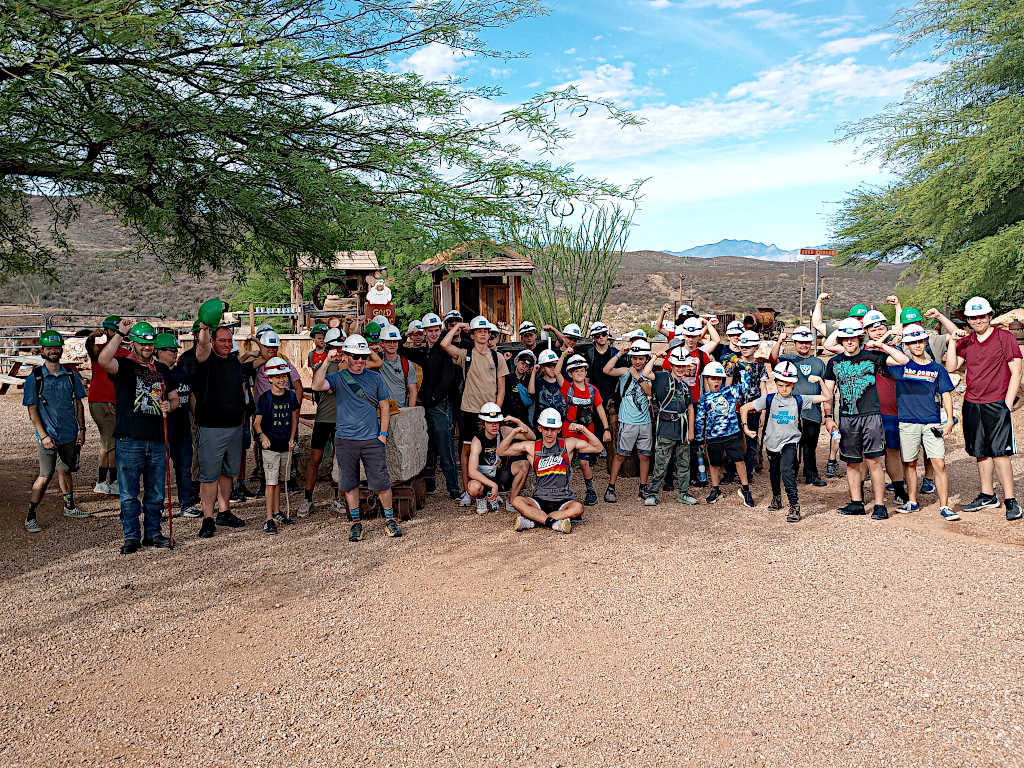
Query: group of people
x=702, y=410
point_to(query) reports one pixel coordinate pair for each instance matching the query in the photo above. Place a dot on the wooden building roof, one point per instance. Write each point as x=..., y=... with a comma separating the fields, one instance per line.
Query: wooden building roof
x=479, y=256
x=349, y=261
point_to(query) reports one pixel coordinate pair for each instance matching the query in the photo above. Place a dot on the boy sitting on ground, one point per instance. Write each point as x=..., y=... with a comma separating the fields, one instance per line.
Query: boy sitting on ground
x=489, y=474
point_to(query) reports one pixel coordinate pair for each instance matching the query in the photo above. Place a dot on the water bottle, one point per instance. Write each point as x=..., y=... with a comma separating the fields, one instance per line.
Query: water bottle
x=702, y=471
x=836, y=434
x=937, y=431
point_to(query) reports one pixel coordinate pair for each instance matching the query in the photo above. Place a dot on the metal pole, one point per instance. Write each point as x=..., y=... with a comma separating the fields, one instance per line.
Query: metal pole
x=817, y=292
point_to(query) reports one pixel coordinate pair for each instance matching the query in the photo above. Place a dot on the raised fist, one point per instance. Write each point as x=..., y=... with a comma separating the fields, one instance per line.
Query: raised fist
x=824, y=296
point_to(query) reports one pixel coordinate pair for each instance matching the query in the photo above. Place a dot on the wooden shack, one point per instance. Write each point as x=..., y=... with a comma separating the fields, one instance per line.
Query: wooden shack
x=480, y=277
x=342, y=292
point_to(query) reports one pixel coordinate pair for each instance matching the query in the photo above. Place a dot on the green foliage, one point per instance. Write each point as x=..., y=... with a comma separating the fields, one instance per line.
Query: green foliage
x=954, y=144
x=239, y=133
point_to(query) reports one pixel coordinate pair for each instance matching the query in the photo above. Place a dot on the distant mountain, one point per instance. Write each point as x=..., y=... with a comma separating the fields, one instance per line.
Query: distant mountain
x=744, y=248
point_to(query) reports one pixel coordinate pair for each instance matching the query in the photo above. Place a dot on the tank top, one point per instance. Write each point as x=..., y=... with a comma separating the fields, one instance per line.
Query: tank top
x=552, y=468
x=488, y=463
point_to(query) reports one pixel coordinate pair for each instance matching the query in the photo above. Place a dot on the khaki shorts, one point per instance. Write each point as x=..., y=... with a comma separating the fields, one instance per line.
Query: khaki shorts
x=50, y=459
x=275, y=466
x=104, y=416
x=914, y=436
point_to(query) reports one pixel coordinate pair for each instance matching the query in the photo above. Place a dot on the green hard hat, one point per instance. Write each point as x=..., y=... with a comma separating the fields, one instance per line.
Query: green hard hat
x=111, y=322
x=859, y=310
x=371, y=331
x=911, y=315
x=165, y=341
x=211, y=312
x=142, y=333
x=318, y=328
x=51, y=339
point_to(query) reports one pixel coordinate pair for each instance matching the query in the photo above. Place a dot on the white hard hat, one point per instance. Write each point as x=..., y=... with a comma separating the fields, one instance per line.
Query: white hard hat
x=549, y=418
x=263, y=327
x=275, y=366
x=414, y=327
x=715, y=370
x=598, y=327
x=573, y=331
x=527, y=327
x=479, y=323
x=872, y=317
x=334, y=337
x=491, y=412
x=355, y=345
x=849, y=328
x=640, y=347
x=693, y=327
x=547, y=356
x=452, y=314
x=914, y=332
x=430, y=320
x=269, y=339
x=749, y=339
x=734, y=327
x=977, y=306
x=802, y=333
x=786, y=371
x=380, y=320
x=390, y=333
x=574, y=362
x=639, y=333
x=684, y=309
x=524, y=354
x=680, y=356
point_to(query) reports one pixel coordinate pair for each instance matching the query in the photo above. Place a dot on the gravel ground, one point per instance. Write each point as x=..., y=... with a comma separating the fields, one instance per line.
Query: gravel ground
x=711, y=635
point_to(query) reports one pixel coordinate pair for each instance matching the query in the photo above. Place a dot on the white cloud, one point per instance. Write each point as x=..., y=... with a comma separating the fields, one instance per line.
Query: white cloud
x=725, y=4
x=770, y=20
x=847, y=45
x=435, y=61
x=660, y=4
x=598, y=37
x=569, y=51
x=611, y=81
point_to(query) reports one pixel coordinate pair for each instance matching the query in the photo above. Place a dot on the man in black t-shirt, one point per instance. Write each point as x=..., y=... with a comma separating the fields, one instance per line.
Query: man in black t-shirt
x=220, y=409
x=144, y=396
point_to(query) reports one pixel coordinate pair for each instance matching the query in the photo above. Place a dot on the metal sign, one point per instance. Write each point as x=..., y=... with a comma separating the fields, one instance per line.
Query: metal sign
x=817, y=252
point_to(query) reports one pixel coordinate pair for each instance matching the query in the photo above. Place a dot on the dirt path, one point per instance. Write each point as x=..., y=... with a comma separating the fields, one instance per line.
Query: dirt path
x=711, y=635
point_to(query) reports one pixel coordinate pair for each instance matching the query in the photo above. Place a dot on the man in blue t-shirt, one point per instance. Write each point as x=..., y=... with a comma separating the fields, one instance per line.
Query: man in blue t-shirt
x=359, y=434
x=920, y=385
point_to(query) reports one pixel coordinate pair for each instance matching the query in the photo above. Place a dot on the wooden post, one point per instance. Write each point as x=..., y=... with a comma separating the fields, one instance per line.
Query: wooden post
x=252, y=319
x=458, y=304
x=517, y=286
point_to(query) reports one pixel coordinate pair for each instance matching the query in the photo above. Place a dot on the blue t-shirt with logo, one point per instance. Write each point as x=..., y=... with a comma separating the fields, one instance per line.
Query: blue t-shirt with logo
x=918, y=388
x=357, y=403
x=276, y=411
x=634, y=407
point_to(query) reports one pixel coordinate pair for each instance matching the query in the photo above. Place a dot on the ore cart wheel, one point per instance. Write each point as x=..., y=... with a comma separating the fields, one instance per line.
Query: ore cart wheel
x=326, y=287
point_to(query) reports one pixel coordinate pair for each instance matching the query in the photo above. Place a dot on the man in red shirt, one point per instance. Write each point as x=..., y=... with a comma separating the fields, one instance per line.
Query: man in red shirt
x=101, y=405
x=993, y=371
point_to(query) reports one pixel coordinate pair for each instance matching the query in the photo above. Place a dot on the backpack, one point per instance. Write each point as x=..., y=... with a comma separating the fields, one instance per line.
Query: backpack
x=799, y=408
x=37, y=374
x=657, y=407
x=623, y=389
x=469, y=359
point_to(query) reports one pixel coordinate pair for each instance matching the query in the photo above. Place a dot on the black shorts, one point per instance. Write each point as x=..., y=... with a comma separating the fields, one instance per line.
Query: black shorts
x=504, y=478
x=727, y=448
x=547, y=507
x=373, y=455
x=861, y=437
x=988, y=430
x=323, y=433
x=469, y=427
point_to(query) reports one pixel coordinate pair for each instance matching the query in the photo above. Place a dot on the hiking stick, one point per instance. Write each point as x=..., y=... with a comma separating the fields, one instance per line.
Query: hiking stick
x=287, y=472
x=167, y=483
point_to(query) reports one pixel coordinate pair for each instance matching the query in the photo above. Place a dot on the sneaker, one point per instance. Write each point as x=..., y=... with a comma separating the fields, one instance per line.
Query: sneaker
x=879, y=512
x=229, y=519
x=270, y=527
x=355, y=533
x=831, y=468
x=465, y=500
x=113, y=489
x=901, y=498
x=524, y=523
x=562, y=526
x=305, y=508
x=642, y=491
x=909, y=506
x=982, y=501
x=100, y=488
x=776, y=504
x=391, y=528
x=454, y=495
x=889, y=487
x=193, y=511
x=949, y=514
x=927, y=486
x=130, y=547
x=338, y=507
x=853, y=508
x=747, y=496
x=590, y=499
x=76, y=512
x=1013, y=511
x=817, y=482
x=481, y=506
x=159, y=541
x=651, y=501
x=794, y=514
x=283, y=519
x=609, y=495
x=206, y=530
x=33, y=526
x=714, y=496
x=685, y=498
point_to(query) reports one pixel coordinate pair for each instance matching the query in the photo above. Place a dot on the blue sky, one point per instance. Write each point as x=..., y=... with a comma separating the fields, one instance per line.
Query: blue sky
x=742, y=100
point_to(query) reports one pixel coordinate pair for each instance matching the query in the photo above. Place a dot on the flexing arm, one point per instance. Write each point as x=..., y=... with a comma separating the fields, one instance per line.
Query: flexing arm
x=817, y=321
x=562, y=341
x=953, y=361
x=320, y=383
x=660, y=322
x=447, y=344
x=713, y=338
x=773, y=356
x=558, y=368
x=589, y=440
x=524, y=428
x=107, y=358
x=610, y=369
x=947, y=325
x=509, y=447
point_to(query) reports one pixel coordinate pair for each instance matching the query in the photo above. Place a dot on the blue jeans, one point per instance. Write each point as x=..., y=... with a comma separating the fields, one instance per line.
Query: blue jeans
x=140, y=462
x=181, y=455
x=439, y=431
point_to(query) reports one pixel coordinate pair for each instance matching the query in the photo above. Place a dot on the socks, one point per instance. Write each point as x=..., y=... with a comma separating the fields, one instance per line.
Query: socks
x=389, y=514
x=899, y=488
x=103, y=475
x=589, y=483
x=112, y=474
x=549, y=522
x=32, y=510
x=354, y=514
x=309, y=495
x=69, y=500
x=612, y=486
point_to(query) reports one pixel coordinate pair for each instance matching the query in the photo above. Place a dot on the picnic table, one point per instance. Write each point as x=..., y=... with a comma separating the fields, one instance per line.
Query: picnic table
x=20, y=368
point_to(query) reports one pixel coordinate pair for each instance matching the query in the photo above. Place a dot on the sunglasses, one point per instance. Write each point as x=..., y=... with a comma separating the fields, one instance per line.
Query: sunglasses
x=601, y=335
x=360, y=357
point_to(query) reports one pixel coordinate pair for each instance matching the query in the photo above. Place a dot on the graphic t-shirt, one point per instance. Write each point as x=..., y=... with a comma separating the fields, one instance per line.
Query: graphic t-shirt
x=715, y=415
x=693, y=382
x=782, y=426
x=276, y=411
x=315, y=357
x=634, y=406
x=986, y=365
x=139, y=390
x=549, y=395
x=855, y=377
x=357, y=403
x=673, y=398
x=487, y=464
x=749, y=374
x=179, y=421
x=806, y=367
x=581, y=406
x=917, y=387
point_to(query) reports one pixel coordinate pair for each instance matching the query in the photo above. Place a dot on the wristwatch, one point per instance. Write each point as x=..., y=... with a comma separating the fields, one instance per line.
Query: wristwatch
x=382, y=434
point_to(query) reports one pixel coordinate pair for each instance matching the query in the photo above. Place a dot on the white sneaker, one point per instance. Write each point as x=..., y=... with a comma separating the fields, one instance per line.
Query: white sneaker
x=481, y=506
x=113, y=489
x=338, y=507
x=562, y=526
x=524, y=523
x=76, y=512
x=100, y=488
x=305, y=508
x=465, y=500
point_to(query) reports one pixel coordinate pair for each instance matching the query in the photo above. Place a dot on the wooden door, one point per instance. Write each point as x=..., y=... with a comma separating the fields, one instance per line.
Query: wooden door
x=495, y=301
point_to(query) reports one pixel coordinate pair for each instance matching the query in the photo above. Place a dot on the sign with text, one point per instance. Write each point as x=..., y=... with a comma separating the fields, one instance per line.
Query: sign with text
x=817, y=252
